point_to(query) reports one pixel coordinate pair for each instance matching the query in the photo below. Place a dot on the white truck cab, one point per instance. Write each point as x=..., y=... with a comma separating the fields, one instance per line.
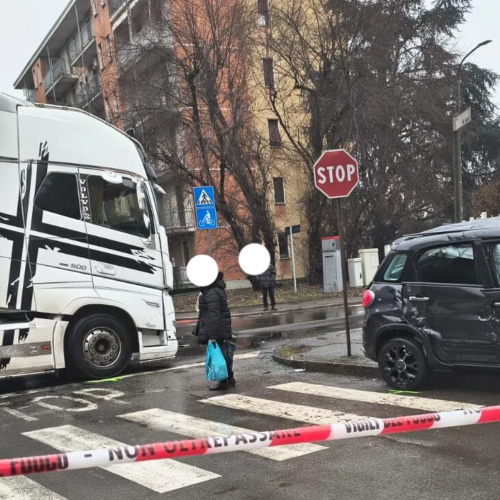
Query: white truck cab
x=85, y=272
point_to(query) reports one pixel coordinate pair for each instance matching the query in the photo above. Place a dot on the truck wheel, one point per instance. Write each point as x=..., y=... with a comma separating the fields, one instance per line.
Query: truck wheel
x=402, y=364
x=98, y=347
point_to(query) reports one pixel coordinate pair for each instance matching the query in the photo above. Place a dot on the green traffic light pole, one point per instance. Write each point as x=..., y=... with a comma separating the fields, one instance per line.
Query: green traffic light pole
x=459, y=196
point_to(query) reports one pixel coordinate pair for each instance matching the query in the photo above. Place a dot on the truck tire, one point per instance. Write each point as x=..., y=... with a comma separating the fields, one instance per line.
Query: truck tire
x=402, y=364
x=98, y=346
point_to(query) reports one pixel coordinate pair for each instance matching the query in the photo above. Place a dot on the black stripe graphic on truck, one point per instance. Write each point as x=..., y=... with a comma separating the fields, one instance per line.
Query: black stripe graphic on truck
x=36, y=219
x=17, y=238
x=8, y=339
x=24, y=289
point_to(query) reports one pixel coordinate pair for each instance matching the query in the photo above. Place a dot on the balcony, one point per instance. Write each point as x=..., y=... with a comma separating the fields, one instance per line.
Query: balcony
x=181, y=279
x=115, y=6
x=138, y=46
x=81, y=43
x=88, y=89
x=176, y=211
x=177, y=221
x=30, y=95
x=59, y=78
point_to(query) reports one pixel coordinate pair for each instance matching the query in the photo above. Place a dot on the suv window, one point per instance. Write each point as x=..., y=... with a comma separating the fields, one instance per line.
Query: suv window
x=449, y=264
x=116, y=206
x=59, y=194
x=395, y=268
x=496, y=260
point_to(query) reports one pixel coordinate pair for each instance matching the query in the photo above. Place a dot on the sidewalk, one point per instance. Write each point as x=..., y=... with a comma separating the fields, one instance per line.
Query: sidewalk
x=328, y=353
x=248, y=311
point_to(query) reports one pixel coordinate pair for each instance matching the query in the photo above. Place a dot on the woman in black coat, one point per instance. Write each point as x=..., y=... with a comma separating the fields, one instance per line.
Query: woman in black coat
x=214, y=325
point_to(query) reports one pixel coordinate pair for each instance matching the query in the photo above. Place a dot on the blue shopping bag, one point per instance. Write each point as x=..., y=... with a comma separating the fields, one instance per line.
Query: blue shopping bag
x=215, y=364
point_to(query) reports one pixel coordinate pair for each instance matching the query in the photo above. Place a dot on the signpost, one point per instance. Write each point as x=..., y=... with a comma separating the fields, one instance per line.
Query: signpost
x=336, y=174
x=206, y=214
x=291, y=230
x=462, y=120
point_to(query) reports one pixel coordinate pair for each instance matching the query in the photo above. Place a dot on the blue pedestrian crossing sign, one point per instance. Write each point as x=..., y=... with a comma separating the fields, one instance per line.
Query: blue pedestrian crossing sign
x=204, y=204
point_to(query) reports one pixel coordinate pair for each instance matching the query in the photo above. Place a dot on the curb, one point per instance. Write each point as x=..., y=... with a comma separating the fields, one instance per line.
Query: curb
x=327, y=366
x=279, y=311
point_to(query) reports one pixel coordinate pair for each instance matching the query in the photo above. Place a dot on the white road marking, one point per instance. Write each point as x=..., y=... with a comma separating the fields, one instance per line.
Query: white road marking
x=300, y=413
x=105, y=394
x=413, y=402
x=161, y=476
x=237, y=357
x=24, y=488
x=19, y=414
x=87, y=405
x=193, y=427
x=23, y=393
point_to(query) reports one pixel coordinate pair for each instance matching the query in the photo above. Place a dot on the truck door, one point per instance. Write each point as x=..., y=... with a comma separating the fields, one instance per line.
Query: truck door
x=451, y=306
x=125, y=254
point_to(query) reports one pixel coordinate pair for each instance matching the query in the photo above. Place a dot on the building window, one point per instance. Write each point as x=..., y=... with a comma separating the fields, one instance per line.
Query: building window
x=109, y=52
x=274, y=133
x=283, y=246
x=116, y=102
x=267, y=67
x=58, y=194
x=279, y=190
x=263, y=10
x=100, y=57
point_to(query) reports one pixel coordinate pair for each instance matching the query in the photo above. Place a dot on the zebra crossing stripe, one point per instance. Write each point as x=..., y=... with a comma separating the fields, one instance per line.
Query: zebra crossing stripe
x=415, y=403
x=300, y=413
x=186, y=425
x=24, y=488
x=161, y=476
x=139, y=454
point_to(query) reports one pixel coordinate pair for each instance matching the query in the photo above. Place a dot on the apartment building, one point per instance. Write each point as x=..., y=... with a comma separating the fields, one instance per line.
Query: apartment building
x=91, y=58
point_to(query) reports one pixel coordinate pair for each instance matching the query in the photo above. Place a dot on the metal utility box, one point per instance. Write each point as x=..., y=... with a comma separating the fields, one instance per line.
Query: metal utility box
x=332, y=264
x=370, y=263
x=355, y=273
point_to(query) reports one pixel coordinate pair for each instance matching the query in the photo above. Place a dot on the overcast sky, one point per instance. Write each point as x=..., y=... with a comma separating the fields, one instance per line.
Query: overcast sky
x=24, y=23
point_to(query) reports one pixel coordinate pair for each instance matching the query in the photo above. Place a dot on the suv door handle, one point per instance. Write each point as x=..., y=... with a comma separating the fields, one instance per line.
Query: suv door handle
x=109, y=270
x=419, y=299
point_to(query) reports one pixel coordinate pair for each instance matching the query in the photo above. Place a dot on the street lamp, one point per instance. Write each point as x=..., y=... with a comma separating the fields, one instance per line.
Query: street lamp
x=459, y=195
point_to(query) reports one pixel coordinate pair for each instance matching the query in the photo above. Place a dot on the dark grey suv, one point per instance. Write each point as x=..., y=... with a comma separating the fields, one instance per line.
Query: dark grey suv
x=435, y=303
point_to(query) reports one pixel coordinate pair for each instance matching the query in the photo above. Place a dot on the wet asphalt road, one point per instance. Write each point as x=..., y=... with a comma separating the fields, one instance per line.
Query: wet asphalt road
x=460, y=463
x=254, y=332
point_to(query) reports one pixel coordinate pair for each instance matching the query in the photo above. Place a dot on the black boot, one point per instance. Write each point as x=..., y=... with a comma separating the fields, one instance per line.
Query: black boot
x=221, y=386
x=231, y=382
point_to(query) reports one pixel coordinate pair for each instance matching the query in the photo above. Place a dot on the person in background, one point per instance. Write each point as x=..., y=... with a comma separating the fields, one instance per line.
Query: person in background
x=214, y=325
x=267, y=282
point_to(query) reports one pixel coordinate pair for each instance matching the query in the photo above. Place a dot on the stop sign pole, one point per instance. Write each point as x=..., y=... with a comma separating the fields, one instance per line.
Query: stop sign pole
x=336, y=174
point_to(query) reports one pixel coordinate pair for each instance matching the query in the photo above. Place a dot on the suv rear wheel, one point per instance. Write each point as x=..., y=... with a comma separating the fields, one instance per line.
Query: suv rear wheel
x=402, y=364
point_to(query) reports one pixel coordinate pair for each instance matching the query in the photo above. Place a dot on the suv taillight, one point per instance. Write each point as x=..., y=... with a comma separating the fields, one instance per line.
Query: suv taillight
x=368, y=298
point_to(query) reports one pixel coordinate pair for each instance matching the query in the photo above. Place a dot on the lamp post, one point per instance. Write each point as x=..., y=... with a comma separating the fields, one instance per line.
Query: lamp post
x=459, y=198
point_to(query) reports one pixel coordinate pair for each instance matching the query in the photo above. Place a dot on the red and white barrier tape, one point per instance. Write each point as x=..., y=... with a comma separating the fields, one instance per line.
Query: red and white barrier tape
x=242, y=442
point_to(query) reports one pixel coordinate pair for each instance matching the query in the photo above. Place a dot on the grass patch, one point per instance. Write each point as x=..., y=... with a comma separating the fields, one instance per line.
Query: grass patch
x=294, y=351
x=284, y=293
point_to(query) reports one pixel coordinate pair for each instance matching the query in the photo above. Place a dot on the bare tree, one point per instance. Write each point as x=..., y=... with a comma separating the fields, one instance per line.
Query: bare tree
x=187, y=94
x=375, y=77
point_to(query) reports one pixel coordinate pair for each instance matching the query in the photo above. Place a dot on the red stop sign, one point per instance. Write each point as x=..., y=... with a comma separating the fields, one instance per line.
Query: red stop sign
x=336, y=173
